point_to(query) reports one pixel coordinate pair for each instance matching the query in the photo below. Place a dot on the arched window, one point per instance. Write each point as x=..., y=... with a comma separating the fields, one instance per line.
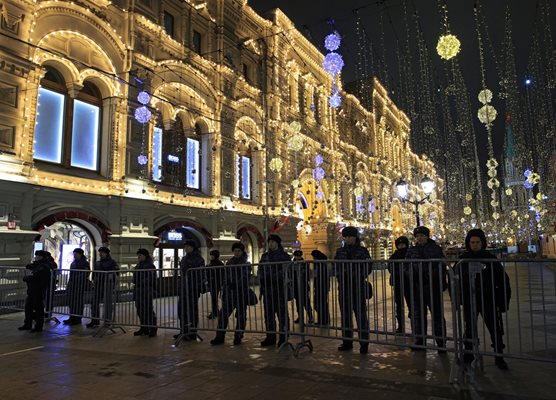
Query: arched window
x=193, y=159
x=243, y=175
x=67, y=130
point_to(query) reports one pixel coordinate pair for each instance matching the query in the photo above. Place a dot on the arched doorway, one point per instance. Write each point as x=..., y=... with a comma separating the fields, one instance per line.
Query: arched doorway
x=253, y=241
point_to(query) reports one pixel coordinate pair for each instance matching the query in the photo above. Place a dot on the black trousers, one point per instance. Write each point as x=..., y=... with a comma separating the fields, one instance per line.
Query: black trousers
x=302, y=298
x=233, y=301
x=274, y=305
x=493, y=320
x=34, y=306
x=322, y=288
x=104, y=290
x=354, y=303
x=145, y=309
x=76, y=297
x=188, y=309
x=215, y=287
x=402, y=299
x=423, y=299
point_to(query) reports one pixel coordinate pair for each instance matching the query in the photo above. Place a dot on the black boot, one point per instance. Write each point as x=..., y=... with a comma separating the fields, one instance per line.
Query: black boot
x=269, y=341
x=500, y=363
x=237, y=340
x=281, y=341
x=218, y=339
x=346, y=346
x=25, y=327
x=152, y=332
x=142, y=331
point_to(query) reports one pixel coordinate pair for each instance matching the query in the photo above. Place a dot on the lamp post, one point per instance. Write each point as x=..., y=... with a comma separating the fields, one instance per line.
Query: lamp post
x=427, y=184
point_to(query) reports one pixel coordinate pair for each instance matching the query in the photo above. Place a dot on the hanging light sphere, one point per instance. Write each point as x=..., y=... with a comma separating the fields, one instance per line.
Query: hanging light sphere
x=142, y=159
x=318, y=173
x=448, y=46
x=332, y=42
x=487, y=114
x=358, y=191
x=492, y=163
x=534, y=178
x=275, y=164
x=495, y=215
x=320, y=195
x=142, y=115
x=295, y=183
x=467, y=211
x=319, y=159
x=296, y=143
x=468, y=197
x=143, y=97
x=485, y=96
x=295, y=126
x=335, y=100
x=333, y=63
x=509, y=192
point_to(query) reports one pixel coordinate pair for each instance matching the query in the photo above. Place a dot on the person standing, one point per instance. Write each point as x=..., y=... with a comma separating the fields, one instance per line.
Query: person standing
x=104, y=279
x=321, y=287
x=235, y=292
x=144, y=281
x=78, y=283
x=353, y=266
x=37, y=284
x=191, y=288
x=214, y=281
x=273, y=280
x=398, y=281
x=51, y=288
x=429, y=280
x=302, y=286
x=492, y=291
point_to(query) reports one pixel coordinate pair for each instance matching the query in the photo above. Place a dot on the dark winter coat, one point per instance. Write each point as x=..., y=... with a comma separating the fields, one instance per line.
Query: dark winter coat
x=352, y=277
x=272, y=276
x=196, y=278
x=144, y=279
x=79, y=275
x=396, y=268
x=236, y=277
x=40, y=274
x=215, y=276
x=106, y=264
x=433, y=273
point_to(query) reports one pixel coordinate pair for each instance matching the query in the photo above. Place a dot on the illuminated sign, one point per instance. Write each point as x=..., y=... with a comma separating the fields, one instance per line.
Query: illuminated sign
x=175, y=236
x=173, y=158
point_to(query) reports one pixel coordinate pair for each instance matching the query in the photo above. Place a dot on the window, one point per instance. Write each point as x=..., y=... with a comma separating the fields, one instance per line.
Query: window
x=316, y=105
x=197, y=42
x=193, y=162
x=67, y=130
x=243, y=177
x=301, y=97
x=246, y=72
x=169, y=23
x=157, y=155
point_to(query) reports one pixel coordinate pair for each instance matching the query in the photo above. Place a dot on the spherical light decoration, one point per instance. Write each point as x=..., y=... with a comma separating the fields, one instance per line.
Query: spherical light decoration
x=509, y=191
x=540, y=196
x=485, y=96
x=299, y=225
x=275, y=164
x=468, y=197
x=467, y=210
x=320, y=195
x=492, y=163
x=493, y=182
x=319, y=159
x=333, y=63
x=527, y=172
x=142, y=115
x=528, y=185
x=142, y=159
x=295, y=126
x=296, y=143
x=335, y=100
x=358, y=191
x=462, y=220
x=143, y=98
x=494, y=203
x=491, y=173
x=495, y=215
x=448, y=46
x=534, y=178
x=487, y=114
x=513, y=213
x=332, y=42
x=318, y=173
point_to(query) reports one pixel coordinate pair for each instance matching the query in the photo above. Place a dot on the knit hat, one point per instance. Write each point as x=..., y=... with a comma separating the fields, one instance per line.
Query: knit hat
x=423, y=230
x=400, y=240
x=350, y=231
x=103, y=249
x=275, y=238
x=298, y=253
x=238, y=245
x=215, y=253
x=191, y=243
x=143, y=252
x=79, y=250
x=476, y=233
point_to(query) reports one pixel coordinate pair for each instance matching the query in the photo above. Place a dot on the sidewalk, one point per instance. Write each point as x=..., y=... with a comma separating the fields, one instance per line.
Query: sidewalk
x=57, y=364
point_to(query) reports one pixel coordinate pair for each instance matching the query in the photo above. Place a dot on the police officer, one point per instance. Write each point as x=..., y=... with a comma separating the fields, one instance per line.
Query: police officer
x=322, y=287
x=353, y=288
x=144, y=280
x=398, y=281
x=301, y=286
x=235, y=291
x=273, y=282
x=190, y=289
x=37, y=284
x=78, y=283
x=428, y=281
x=104, y=278
x=214, y=277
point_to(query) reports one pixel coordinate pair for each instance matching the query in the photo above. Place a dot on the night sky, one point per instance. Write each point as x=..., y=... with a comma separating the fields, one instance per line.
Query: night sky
x=310, y=17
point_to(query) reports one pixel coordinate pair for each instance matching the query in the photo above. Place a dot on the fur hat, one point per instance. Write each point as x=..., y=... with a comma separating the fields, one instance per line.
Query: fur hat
x=298, y=253
x=423, y=230
x=238, y=245
x=42, y=253
x=350, y=231
x=104, y=250
x=400, y=240
x=275, y=238
x=191, y=243
x=143, y=252
x=79, y=250
x=215, y=253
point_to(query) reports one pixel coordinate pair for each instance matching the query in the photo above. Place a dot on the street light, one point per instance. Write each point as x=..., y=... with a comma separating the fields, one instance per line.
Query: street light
x=427, y=184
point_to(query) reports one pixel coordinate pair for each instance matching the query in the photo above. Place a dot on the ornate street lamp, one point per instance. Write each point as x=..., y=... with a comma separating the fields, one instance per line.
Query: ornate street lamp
x=427, y=184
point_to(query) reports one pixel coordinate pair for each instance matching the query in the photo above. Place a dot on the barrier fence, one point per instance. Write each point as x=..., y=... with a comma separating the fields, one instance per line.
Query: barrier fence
x=382, y=302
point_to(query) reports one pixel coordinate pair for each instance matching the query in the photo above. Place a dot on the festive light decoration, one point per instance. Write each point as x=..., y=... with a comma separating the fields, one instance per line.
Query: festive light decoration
x=509, y=192
x=485, y=96
x=332, y=41
x=468, y=197
x=496, y=215
x=319, y=159
x=318, y=173
x=295, y=126
x=275, y=164
x=467, y=210
x=487, y=114
x=358, y=191
x=142, y=159
x=295, y=183
x=143, y=98
x=296, y=143
x=333, y=63
x=143, y=115
x=320, y=195
x=448, y=46
x=335, y=100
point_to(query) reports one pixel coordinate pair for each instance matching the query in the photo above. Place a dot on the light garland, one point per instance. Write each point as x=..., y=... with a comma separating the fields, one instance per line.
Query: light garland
x=448, y=46
x=296, y=142
x=276, y=164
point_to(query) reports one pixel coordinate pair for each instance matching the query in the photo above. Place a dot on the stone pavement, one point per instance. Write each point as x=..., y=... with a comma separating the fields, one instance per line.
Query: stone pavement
x=65, y=362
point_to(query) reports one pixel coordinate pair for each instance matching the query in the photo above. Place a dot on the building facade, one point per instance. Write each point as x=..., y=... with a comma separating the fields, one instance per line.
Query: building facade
x=140, y=123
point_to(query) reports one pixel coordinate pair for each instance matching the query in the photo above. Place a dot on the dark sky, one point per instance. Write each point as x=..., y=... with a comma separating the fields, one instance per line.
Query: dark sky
x=314, y=14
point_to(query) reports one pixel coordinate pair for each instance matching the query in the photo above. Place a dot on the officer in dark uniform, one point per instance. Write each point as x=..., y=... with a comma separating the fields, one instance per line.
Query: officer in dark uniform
x=273, y=282
x=49, y=295
x=322, y=287
x=428, y=280
x=78, y=283
x=144, y=280
x=37, y=284
x=190, y=288
x=215, y=278
x=235, y=292
x=302, y=286
x=399, y=282
x=353, y=287
x=104, y=282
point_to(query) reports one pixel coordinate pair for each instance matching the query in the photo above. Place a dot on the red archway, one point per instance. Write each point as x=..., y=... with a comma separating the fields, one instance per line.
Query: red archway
x=61, y=216
x=189, y=224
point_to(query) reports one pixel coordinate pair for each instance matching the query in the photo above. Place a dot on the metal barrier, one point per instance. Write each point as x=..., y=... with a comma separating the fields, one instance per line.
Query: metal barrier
x=384, y=302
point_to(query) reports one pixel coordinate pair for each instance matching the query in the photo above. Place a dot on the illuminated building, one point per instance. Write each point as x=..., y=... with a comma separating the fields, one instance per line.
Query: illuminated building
x=225, y=84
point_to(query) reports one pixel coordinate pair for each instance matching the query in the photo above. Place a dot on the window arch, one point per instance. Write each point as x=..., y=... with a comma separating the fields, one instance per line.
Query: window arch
x=67, y=130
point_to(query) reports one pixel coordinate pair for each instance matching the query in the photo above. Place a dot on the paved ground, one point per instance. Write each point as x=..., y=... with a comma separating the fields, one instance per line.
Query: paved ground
x=64, y=363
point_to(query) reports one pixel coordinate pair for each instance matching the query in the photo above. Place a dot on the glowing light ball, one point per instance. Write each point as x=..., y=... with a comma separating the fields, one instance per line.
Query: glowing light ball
x=467, y=211
x=487, y=114
x=319, y=159
x=485, y=96
x=332, y=42
x=448, y=46
x=296, y=143
x=143, y=98
x=275, y=164
x=333, y=63
x=318, y=173
x=335, y=100
x=295, y=126
x=142, y=159
x=143, y=115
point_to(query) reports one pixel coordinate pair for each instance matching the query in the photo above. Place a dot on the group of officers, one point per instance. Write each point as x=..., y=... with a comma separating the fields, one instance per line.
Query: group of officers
x=417, y=286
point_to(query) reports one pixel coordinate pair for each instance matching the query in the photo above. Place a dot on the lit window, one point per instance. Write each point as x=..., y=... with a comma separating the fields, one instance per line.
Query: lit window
x=157, y=155
x=85, y=135
x=193, y=163
x=238, y=175
x=50, y=126
x=243, y=177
